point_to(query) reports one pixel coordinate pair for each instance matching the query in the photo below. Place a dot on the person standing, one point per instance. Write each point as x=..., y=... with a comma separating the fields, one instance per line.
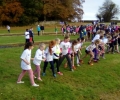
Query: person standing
x=39, y=57
x=42, y=29
x=56, y=55
x=27, y=36
x=31, y=35
x=49, y=52
x=26, y=65
x=8, y=28
x=81, y=31
x=38, y=29
x=65, y=47
x=56, y=30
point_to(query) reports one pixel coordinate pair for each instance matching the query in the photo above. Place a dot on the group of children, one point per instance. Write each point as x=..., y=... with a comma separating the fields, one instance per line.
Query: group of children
x=57, y=51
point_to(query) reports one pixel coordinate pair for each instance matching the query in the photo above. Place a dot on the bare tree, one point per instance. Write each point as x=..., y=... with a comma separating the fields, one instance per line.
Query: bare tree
x=108, y=11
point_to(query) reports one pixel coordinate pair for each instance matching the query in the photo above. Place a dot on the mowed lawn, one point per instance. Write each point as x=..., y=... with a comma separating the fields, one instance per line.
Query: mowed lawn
x=21, y=30
x=98, y=82
x=7, y=40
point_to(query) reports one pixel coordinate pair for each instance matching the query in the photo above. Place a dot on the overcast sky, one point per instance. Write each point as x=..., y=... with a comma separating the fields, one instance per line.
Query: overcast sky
x=91, y=7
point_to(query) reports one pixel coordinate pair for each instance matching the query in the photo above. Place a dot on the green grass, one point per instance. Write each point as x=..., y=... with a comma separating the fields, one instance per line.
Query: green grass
x=98, y=82
x=5, y=40
x=21, y=30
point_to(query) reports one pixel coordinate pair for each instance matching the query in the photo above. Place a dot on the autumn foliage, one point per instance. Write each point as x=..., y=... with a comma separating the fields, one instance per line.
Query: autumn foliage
x=30, y=11
x=11, y=12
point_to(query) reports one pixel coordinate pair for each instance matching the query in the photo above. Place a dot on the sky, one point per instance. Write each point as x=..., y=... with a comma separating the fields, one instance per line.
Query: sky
x=91, y=7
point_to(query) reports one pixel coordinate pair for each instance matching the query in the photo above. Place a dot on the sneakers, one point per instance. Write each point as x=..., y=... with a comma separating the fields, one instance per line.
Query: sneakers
x=54, y=75
x=103, y=57
x=43, y=74
x=96, y=61
x=35, y=85
x=72, y=70
x=78, y=65
x=20, y=82
x=65, y=65
x=60, y=73
x=34, y=77
x=90, y=63
x=81, y=61
x=39, y=79
x=74, y=67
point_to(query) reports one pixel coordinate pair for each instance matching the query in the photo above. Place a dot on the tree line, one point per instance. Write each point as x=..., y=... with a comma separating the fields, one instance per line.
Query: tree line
x=24, y=12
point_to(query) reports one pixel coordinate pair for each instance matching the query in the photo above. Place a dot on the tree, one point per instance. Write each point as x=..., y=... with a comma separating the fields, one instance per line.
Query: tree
x=10, y=12
x=32, y=11
x=108, y=11
x=99, y=17
x=63, y=9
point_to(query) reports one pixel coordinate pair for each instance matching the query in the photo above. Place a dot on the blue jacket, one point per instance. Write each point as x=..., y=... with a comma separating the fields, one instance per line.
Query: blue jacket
x=38, y=28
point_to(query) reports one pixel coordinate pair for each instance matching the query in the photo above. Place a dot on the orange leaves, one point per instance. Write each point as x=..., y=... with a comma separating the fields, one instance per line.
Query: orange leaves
x=62, y=9
x=11, y=12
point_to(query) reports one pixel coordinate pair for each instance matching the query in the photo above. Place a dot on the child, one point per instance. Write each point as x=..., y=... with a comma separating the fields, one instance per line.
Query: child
x=97, y=36
x=38, y=29
x=74, y=52
x=8, y=28
x=39, y=56
x=49, y=52
x=25, y=64
x=80, y=44
x=89, y=50
x=27, y=36
x=65, y=48
x=116, y=42
x=57, y=52
x=101, y=48
x=64, y=30
x=56, y=30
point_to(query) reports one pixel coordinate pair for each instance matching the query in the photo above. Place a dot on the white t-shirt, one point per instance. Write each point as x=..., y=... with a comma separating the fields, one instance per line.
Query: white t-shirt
x=26, y=55
x=39, y=55
x=27, y=36
x=76, y=47
x=65, y=46
x=57, y=51
x=105, y=40
x=91, y=47
x=94, y=30
x=96, y=37
x=8, y=27
x=49, y=57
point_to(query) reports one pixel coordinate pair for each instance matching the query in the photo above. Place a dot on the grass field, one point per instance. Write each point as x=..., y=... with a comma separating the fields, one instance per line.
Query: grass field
x=6, y=40
x=98, y=82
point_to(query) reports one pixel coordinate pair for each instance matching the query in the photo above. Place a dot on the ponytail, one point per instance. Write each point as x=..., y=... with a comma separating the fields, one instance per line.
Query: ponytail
x=27, y=45
x=51, y=45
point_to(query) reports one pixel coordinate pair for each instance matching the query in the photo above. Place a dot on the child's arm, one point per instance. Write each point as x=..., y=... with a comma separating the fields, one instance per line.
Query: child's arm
x=39, y=56
x=26, y=61
x=32, y=58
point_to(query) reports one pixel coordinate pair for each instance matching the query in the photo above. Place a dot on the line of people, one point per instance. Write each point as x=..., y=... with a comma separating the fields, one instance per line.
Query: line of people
x=88, y=31
x=57, y=51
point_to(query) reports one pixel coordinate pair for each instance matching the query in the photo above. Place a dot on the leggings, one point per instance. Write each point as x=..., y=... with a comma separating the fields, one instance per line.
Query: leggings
x=68, y=59
x=45, y=66
x=95, y=53
x=111, y=46
x=57, y=64
x=38, y=33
